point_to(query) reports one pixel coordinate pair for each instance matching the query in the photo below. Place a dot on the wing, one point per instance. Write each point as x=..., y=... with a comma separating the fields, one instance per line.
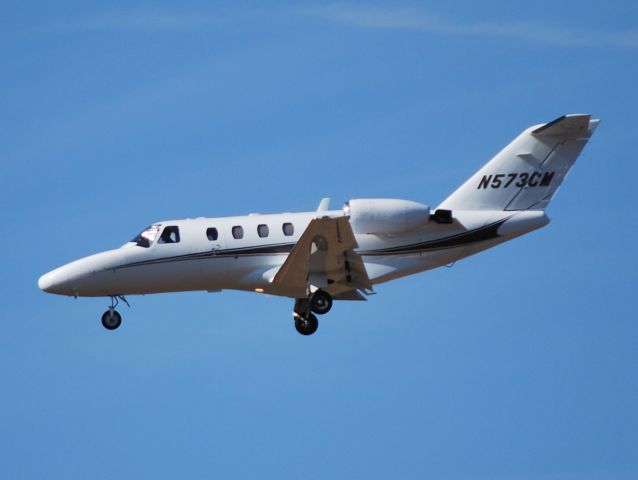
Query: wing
x=324, y=258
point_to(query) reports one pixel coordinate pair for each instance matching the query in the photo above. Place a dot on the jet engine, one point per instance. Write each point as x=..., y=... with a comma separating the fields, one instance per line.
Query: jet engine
x=385, y=215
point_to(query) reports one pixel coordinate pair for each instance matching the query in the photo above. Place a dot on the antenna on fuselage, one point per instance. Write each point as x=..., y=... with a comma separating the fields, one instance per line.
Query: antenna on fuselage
x=324, y=204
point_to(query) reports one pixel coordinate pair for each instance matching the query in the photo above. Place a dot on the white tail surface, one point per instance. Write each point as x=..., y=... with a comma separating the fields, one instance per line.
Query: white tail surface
x=526, y=174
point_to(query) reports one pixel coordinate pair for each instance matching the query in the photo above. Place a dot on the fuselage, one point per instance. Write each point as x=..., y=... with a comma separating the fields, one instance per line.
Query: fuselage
x=245, y=252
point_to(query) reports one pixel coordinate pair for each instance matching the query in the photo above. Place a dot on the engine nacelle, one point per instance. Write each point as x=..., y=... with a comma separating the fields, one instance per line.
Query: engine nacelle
x=385, y=215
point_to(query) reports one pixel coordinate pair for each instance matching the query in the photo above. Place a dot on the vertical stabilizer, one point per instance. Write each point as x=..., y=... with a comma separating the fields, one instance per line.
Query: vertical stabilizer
x=526, y=174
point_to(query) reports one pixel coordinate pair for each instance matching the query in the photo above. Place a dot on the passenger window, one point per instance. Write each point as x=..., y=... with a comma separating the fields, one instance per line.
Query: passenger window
x=288, y=229
x=211, y=233
x=262, y=230
x=238, y=232
x=169, y=235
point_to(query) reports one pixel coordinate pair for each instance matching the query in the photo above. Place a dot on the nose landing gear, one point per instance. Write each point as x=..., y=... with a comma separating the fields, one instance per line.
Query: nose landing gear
x=111, y=319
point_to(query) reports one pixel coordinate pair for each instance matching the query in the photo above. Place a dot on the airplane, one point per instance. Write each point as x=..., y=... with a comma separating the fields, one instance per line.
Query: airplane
x=325, y=255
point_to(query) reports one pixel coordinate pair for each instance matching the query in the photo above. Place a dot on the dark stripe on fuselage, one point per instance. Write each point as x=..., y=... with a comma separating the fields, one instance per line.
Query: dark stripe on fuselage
x=487, y=232
x=282, y=248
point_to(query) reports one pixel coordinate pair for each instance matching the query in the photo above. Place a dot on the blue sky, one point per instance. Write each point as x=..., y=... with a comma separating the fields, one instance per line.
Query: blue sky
x=516, y=364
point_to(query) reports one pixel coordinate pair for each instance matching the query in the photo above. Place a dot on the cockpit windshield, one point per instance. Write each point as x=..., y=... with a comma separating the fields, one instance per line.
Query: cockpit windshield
x=147, y=236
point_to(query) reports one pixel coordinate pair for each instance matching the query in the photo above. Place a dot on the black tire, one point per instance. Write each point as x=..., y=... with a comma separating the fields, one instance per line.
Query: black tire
x=320, y=302
x=111, y=323
x=307, y=325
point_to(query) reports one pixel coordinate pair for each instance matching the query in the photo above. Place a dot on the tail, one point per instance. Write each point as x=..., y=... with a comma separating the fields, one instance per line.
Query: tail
x=526, y=174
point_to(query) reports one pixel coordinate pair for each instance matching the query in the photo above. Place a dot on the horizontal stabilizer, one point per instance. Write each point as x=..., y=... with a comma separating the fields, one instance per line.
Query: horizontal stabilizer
x=567, y=126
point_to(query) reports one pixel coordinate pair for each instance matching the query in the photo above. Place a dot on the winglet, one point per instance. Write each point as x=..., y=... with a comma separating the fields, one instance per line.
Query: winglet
x=324, y=205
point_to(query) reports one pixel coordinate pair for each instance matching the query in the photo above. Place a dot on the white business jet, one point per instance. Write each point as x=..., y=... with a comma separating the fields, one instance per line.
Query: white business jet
x=325, y=255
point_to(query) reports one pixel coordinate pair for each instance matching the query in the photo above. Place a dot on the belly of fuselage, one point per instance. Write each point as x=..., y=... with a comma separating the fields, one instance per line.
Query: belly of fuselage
x=179, y=275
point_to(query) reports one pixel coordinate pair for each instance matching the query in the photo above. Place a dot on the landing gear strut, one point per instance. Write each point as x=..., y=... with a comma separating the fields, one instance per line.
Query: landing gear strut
x=305, y=321
x=111, y=319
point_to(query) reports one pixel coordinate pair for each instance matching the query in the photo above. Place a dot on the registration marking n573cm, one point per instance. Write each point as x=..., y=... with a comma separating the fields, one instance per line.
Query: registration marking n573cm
x=524, y=179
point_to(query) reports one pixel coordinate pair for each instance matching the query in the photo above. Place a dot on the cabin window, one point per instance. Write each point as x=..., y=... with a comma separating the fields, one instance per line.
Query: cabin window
x=147, y=236
x=212, y=234
x=262, y=230
x=170, y=235
x=238, y=232
x=288, y=228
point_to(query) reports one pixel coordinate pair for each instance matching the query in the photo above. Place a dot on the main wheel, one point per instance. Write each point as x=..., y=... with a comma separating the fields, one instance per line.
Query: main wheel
x=111, y=322
x=307, y=325
x=320, y=302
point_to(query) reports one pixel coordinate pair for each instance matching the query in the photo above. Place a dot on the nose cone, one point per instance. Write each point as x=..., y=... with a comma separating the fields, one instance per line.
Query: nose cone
x=58, y=281
x=47, y=282
x=84, y=277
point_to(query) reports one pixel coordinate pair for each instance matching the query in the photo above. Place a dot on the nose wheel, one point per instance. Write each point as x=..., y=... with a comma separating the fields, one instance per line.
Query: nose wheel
x=111, y=319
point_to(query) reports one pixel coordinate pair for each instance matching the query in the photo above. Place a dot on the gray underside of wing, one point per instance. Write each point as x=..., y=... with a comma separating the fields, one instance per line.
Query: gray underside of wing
x=324, y=258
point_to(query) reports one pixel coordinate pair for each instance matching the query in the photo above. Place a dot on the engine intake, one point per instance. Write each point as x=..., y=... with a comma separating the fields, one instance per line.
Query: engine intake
x=385, y=215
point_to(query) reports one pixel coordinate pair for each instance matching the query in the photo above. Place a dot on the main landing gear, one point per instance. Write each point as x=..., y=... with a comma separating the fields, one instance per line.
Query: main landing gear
x=306, y=322
x=111, y=319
